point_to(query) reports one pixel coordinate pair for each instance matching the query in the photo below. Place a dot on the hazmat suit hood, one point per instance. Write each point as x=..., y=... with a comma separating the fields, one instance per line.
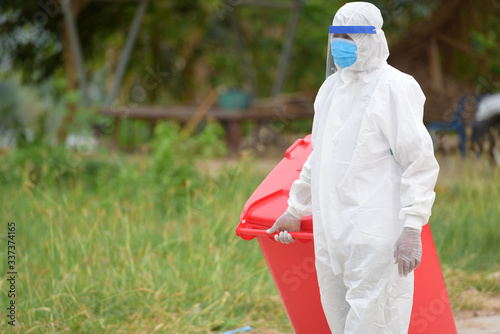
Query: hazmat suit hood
x=372, y=49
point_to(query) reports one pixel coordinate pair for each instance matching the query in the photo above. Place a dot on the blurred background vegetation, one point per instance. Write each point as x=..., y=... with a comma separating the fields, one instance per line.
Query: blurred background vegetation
x=194, y=42
x=192, y=47
x=141, y=238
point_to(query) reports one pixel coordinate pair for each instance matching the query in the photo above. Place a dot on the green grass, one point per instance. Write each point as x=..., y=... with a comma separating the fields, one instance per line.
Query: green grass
x=103, y=262
x=466, y=230
x=121, y=257
x=465, y=220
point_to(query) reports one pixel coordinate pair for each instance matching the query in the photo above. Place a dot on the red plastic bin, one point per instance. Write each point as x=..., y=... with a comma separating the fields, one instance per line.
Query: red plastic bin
x=292, y=266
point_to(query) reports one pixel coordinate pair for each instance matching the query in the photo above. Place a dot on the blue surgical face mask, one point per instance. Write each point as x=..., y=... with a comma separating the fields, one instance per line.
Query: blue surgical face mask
x=344, y=52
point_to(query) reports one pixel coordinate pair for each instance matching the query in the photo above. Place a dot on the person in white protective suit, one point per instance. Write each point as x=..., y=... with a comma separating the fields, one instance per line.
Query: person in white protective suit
x=369, y=181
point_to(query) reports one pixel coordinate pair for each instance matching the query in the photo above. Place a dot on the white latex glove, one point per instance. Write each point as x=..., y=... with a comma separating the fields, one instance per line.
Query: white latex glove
x=408, y=251
x=284, y=224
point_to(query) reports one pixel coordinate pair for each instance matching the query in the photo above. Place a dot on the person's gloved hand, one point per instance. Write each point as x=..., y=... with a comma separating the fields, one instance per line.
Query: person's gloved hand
x=285, y=223
x=408, y=251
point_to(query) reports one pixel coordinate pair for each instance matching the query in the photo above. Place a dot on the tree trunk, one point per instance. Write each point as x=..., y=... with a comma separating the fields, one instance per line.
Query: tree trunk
x=70, y=69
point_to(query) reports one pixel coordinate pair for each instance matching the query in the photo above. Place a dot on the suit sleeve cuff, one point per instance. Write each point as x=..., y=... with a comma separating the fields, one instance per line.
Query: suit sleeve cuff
x=415, y=221
x=294, y=212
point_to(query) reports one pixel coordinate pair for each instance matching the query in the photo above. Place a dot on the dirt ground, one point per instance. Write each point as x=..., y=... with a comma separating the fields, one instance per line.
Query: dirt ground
x=484, y=321
x=487, y=324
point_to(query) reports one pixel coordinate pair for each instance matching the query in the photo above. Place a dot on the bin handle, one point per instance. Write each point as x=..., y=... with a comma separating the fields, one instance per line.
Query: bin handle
x=291, y=149
x=258, y=233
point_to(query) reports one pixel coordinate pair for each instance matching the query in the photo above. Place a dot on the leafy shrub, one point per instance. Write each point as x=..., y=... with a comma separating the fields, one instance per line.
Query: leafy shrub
x=22, y=113
x=174, y=169
x=40, y=164
x=171, y=175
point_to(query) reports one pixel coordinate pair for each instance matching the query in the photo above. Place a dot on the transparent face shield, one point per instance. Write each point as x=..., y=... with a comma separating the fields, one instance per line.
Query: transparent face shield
x=345, y=48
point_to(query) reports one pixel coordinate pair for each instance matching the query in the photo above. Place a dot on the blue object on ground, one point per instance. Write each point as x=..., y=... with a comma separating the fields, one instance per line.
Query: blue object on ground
x=455, y=125
x=239, y=330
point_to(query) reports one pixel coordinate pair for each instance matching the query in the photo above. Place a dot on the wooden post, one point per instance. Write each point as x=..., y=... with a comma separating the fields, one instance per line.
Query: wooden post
x=233, y=135
x=199, y=114
x=115, y=143
x=435, y=66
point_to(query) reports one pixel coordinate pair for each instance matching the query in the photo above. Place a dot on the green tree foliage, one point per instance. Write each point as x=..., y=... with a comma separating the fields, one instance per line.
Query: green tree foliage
x=30, y=38
x=483, y=38
x=194, y=42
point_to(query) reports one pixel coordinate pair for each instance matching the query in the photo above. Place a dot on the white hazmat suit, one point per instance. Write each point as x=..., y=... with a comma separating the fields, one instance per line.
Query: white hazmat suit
x=368, y=181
